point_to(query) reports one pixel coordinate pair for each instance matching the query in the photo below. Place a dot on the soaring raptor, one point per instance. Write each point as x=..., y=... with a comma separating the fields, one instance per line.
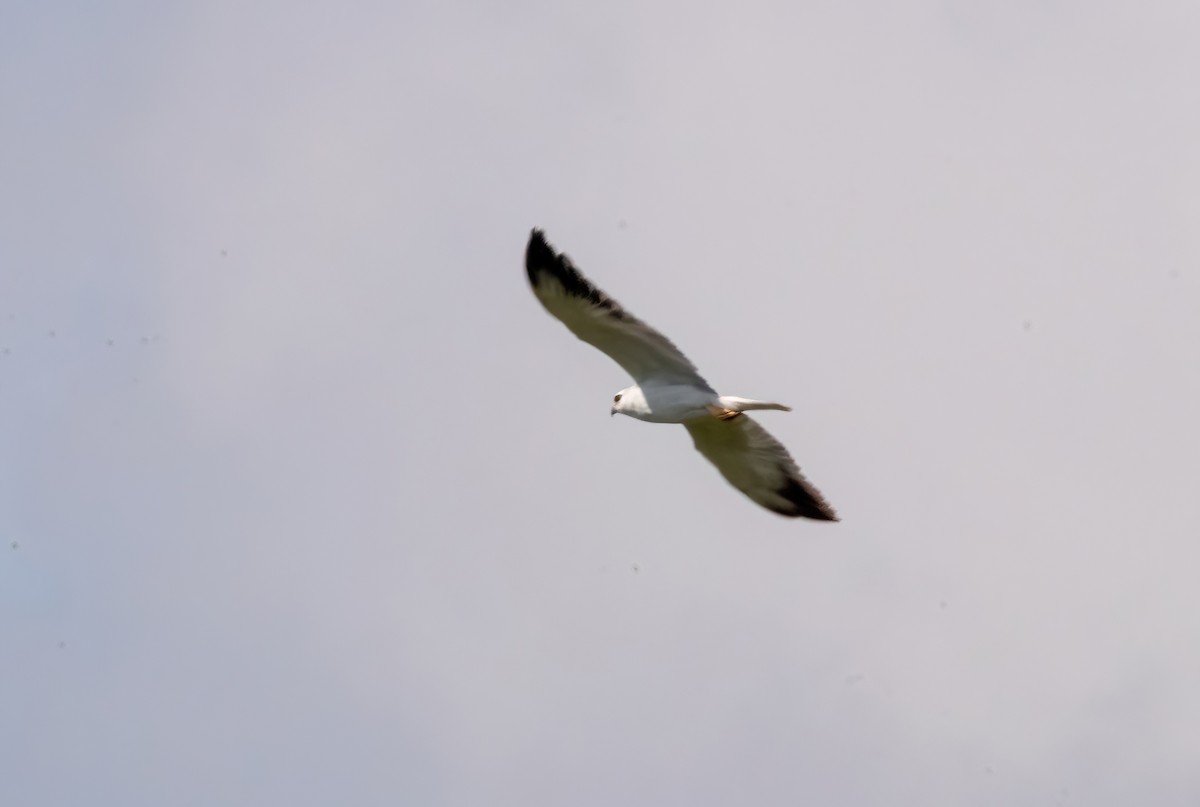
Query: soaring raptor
x=669, y=389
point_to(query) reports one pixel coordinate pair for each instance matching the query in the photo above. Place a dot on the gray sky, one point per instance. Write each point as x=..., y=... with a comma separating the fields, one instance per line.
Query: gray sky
x=306, y=501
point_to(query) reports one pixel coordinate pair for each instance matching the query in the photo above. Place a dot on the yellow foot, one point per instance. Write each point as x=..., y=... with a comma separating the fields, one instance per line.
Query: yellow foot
x=721, y=413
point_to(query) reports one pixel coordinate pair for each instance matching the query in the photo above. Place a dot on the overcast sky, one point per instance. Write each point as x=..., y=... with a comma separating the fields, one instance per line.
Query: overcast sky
x=304, y=500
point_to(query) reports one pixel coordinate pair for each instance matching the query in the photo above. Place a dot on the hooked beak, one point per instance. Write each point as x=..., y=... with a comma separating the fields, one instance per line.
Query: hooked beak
x=612, y=411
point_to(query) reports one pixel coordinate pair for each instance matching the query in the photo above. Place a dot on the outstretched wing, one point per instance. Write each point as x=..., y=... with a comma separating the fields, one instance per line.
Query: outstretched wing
x=757, y=464
x=600, y=321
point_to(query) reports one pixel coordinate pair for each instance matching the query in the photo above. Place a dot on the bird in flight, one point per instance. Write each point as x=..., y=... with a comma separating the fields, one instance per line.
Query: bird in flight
x=669, y=389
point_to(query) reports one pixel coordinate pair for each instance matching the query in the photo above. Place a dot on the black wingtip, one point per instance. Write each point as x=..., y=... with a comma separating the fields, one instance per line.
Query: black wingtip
x=539, y=255
x=805, y=502
x=541, y=259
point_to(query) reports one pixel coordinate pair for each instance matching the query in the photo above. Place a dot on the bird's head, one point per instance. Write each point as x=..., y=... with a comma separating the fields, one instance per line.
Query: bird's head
x=624, y=401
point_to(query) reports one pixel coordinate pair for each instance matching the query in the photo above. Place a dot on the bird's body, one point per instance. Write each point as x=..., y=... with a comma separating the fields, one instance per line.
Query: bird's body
x=664, y=403
x=679, y=403
x=669, y=389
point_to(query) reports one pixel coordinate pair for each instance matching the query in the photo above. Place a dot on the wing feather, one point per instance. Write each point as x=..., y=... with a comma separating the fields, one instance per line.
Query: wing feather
x=600, y=321
x=759, y=466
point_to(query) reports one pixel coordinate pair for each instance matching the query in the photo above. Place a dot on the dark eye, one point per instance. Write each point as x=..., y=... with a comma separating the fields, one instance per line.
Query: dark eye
x=617, y=398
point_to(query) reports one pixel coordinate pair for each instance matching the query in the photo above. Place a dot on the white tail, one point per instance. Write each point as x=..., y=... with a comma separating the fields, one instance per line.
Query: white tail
x=746, y=404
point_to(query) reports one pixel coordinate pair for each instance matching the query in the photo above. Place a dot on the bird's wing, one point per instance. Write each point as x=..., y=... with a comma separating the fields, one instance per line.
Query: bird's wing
x=600, y=321
x=757, y=464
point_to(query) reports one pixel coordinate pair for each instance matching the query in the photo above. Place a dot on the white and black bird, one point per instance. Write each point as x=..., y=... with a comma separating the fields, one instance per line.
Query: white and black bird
x=669, y=389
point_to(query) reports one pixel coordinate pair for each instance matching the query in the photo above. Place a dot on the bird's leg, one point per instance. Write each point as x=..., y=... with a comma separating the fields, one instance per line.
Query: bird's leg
x=721, y=413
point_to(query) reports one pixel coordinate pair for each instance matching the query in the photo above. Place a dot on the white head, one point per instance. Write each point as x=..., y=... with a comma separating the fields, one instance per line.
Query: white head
x=628, y=402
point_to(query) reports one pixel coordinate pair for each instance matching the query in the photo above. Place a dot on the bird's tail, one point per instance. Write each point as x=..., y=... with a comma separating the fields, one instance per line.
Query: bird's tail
x=746, y=404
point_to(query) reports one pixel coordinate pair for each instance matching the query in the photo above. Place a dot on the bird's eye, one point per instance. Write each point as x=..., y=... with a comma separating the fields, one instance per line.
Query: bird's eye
x=617, y=398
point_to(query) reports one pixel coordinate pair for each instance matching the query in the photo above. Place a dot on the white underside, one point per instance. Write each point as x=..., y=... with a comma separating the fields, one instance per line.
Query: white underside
x=678, y=403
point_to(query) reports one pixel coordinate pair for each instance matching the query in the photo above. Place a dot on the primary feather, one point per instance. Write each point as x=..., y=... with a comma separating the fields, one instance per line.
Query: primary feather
x=600, y=321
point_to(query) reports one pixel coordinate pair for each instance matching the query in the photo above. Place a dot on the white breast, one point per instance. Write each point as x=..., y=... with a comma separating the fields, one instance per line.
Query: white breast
x=665, y=404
